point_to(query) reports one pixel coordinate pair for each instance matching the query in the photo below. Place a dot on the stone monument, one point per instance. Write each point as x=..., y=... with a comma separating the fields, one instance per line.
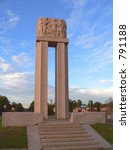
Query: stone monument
x=51, y=33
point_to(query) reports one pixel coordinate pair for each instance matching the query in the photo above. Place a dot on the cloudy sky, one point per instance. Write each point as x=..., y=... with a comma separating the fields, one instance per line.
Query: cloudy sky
x=89, y=29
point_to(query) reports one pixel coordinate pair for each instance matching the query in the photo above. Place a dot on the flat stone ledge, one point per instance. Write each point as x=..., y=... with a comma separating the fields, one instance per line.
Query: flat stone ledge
x=88, y=117
x=52, y=39
x=21, y=118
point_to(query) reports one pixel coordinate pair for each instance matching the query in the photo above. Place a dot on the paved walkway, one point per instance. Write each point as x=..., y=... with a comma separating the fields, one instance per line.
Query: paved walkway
x=33, y=138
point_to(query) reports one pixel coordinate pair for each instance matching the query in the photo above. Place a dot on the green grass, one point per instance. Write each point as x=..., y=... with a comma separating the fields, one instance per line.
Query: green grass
x=105, y=130
x=13, y=137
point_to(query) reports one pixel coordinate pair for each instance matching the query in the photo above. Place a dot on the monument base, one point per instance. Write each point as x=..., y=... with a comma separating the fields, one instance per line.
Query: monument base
x=88, y=117
x=21, y=118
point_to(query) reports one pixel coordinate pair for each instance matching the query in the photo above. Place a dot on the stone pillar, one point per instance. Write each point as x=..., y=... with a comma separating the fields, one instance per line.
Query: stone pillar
x=41, y=78
x=61, y=81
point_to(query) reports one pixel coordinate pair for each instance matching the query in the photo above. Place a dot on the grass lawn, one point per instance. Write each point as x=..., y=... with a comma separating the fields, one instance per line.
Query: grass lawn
x=13, y=137
x=105, y=130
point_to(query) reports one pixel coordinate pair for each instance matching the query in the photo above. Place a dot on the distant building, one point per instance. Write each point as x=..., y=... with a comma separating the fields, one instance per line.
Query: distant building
x=83, y=107
x=108, y=111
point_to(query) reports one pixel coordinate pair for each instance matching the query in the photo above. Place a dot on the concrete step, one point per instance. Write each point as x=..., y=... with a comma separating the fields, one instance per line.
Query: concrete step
x=76, y=139
x=60, y=129
x=81, y=147
x=64, y=136
x=62, y=132
x=68, y=144
x=59, y=126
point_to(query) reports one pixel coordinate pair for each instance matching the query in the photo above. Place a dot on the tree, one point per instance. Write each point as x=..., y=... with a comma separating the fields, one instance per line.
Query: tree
x=31, y=107
x=79, y=103
x=98, y=105
x=73, y=104
x=109, y=103
x=51, y=109
x=4, y=104
x=90, y=105
x=17, y=106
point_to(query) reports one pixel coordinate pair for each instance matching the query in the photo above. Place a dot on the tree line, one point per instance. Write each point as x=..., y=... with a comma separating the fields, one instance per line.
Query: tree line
x=6, y=106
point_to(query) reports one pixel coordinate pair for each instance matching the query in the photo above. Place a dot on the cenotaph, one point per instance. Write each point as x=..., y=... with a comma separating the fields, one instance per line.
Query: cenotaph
x=51, y=33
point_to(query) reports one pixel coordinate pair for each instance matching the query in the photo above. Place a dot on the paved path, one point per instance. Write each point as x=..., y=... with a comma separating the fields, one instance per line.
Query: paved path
x=33, y=138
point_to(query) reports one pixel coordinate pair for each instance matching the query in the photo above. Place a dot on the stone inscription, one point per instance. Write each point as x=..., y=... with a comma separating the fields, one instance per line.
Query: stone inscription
x=51, y=27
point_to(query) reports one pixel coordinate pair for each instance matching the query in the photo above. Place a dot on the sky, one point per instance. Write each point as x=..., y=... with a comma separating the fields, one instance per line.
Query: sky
x=89, y=29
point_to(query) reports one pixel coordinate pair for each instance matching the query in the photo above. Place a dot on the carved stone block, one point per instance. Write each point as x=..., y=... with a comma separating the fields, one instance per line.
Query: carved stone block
x=50, y=27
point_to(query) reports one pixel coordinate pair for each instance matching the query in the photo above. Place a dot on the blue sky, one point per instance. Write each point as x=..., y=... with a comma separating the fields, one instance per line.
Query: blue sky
x=89, y=29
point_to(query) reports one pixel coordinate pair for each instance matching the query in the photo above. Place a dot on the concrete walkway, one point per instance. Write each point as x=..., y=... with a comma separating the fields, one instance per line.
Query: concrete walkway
x=33, y=138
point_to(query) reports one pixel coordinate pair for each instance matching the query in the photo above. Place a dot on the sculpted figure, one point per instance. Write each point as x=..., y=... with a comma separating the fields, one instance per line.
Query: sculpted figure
x=51, y=27
x=40, y=27
x=61, y=28
x=44, y=27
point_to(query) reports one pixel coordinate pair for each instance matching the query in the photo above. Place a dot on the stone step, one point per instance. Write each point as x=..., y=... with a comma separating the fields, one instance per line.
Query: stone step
x=62, y=132
x=59, y=126
x=64, y=136
x=80, y=147
x=62, y=128
x=67, y=139
x=68, y=144
x=57, y=123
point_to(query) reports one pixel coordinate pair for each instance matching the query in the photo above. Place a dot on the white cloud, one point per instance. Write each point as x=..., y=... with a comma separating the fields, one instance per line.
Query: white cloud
x=4, y=66
x=16, y=79
x=21, y=59
x=105, y=81
x=86, y=94
x=9, y=22
x=18, y=86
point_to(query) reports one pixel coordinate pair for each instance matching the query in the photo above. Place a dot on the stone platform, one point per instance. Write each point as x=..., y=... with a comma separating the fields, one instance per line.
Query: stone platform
x=21, y=118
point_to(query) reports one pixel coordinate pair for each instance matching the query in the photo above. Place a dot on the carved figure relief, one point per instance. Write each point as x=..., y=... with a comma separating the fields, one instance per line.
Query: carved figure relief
x=51, y=27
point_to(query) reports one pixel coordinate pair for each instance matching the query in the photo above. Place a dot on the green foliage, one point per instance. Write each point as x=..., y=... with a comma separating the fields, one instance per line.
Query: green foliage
x=18, y=107
x=91, y=105
x=31, y=107
x=13, y=137
x=51, y=109
x=105, y=130
x=98, y=105
x=4, y=104
x=73, y=104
